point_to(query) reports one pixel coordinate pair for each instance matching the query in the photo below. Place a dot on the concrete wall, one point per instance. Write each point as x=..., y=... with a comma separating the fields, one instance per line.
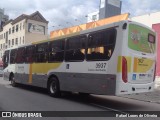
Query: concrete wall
x=148, y=19
x=156, y=27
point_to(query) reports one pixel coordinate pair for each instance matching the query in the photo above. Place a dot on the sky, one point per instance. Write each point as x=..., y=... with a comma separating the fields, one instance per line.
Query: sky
x=62, y=13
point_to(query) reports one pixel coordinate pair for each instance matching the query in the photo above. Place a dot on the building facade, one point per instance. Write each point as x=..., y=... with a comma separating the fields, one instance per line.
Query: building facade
x=148, y=19
x=107, y=8
x=93, y=16
x=156, y=27
x=152, y=20
x=25, y=29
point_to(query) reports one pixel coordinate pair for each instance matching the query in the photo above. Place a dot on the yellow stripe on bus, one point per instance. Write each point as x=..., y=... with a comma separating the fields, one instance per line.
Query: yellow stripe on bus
x=44, y=67
x=135, y=64
x=41, y=68
x=30, y=74
x=119, y=65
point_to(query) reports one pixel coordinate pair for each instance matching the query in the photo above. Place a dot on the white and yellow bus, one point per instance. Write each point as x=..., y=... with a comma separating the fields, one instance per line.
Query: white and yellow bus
x=113, y=59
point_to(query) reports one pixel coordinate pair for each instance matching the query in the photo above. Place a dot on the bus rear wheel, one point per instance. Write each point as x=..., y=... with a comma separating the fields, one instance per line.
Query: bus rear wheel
x=53, y=87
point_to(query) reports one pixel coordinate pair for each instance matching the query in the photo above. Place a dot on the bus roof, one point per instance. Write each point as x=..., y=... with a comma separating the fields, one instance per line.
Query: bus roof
x=75, y=29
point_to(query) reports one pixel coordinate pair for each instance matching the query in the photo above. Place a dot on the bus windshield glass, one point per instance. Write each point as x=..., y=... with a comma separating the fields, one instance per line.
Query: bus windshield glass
x=141, y=39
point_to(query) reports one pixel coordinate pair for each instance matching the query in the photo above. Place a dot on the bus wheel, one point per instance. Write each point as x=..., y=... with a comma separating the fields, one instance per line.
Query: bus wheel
x=53, y=87
x=13, y=83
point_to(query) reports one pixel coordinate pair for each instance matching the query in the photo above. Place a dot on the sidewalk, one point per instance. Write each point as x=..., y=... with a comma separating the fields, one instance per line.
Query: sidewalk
x=4, y=82
x=148, y=97
x=157, y=83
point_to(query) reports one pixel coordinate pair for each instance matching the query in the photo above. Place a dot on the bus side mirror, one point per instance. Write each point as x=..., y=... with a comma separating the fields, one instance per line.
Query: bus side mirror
x=124, y=26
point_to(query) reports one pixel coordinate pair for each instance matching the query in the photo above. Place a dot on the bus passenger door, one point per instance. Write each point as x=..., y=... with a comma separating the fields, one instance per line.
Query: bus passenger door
x=74, y=57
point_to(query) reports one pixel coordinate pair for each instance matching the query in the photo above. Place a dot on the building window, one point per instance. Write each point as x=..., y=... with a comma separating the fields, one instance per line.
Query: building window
x=94, y=17
x=4, y=47
x=1, y=46
x=12, y=41
x=102, y=4
x=4, y=35
x=9, y=43
x=20, y=41
x=23, y=39
x=16, y=28
x=23, y=25
x=12, y=29
x=20, y=26
x=1, y=36
x=16, y=41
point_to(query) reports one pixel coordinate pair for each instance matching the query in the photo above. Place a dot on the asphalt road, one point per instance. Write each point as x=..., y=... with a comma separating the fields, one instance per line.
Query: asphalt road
x=26, y=98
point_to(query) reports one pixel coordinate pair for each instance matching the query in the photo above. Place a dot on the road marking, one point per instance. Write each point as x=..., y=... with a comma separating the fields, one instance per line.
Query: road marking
x=111, y=109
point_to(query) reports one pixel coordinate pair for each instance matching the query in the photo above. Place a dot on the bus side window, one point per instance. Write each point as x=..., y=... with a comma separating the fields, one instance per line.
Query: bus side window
x=101, y=45
x=13, y=56
x=56, y=51
x=30, y=54
x=5, y=59
x=75, y=48
x=41, y=55
x=20, y=58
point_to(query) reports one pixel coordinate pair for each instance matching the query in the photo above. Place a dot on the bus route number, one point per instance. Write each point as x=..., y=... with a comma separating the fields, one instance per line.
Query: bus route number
x=101, y=65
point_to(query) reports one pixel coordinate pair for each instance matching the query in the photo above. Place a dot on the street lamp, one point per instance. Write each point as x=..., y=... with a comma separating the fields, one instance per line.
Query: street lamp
x=62, y=26
x=69, y=23
x=53, y=26
x=79, y=21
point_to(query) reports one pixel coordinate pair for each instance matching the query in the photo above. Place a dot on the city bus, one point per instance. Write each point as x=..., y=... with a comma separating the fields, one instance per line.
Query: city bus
x=113, y=59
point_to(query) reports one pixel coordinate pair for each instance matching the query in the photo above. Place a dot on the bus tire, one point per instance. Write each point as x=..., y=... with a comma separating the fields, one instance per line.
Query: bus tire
x=13, y=82
x=53, y=87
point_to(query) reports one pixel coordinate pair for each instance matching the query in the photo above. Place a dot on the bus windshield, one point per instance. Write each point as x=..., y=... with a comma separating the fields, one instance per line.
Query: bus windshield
x=141, y=39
